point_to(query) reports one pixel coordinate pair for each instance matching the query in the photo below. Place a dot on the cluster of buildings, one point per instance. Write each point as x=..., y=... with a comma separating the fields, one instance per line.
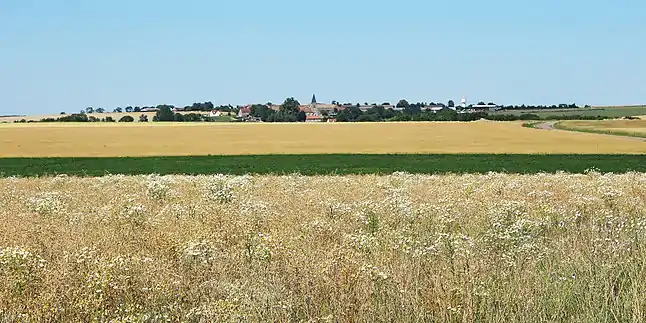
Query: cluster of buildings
x=321, y=112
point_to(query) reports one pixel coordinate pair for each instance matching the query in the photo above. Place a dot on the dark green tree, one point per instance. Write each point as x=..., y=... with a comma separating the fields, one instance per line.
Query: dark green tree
x=261, y=111
x=127, y=119
x=290, y=106
x=301, y=117
x=403, y=103
x=451, y=104
x=164, y=114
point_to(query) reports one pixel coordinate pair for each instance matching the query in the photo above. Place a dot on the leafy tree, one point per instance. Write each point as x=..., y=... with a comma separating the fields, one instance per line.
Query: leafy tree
x=367, y=118
x=261, y=111
x=128, y=109
x=191, y=117
x=109, y=119
x=413, y=109
x=301, y=117
x=143, y=118
x=290, y=106
x=164, y=114
x=349, y=114
x=481, y=103
x=118, y=110
x=82, y=111
x=63, y=112
x=137, y=109
x=451, y=104
x=127, y=119
x=100, y=110
x=403, y=103
x=89, y=110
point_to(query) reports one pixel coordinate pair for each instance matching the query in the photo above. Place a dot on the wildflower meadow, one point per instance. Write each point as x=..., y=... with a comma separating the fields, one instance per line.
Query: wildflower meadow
x=358, y=248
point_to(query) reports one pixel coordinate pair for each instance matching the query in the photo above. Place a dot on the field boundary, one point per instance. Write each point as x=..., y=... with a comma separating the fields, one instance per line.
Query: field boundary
x=619, y=133
x=325, y=164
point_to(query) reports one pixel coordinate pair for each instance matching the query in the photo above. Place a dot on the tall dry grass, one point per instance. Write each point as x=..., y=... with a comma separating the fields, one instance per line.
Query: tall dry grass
x=397, y=248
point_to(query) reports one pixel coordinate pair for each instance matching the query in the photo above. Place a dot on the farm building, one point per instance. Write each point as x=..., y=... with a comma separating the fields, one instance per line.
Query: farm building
x=244, y=111
x=313, y=118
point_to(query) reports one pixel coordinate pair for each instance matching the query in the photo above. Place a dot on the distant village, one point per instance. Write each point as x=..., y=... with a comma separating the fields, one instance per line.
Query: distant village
x=322, y=112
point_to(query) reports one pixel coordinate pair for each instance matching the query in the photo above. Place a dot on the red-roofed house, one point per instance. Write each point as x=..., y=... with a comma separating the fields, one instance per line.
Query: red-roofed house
x=313, y=118
x=244, y=111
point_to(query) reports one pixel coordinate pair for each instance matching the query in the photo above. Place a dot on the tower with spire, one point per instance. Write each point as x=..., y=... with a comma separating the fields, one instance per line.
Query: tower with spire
x=313, y=98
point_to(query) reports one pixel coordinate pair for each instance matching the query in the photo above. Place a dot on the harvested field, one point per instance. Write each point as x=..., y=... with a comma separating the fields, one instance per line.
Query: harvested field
x=182, y=139
x=397, y=248
x=613, y=111
x=636, y=128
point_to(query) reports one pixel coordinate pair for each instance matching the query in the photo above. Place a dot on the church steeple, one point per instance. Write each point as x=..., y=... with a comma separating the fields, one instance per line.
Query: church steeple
x=313, y=98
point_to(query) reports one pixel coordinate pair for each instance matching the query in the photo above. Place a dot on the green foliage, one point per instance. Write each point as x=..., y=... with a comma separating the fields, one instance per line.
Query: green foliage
x=261, y=111
x=290, y=106
x=164, y=114
x=402, y=103
x=127, y=119
x=301, y=117
x=324, y=164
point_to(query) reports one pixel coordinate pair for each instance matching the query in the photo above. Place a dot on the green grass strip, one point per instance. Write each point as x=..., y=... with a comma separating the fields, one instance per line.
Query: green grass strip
x=561, y=126
x=322, y=164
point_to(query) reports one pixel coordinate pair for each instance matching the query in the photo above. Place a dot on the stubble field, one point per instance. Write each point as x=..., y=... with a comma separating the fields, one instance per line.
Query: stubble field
x=635, y=128
x=104, y=140
x=402, y=248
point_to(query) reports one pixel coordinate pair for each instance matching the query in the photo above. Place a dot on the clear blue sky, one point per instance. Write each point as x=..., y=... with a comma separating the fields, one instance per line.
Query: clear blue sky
x=60, y=55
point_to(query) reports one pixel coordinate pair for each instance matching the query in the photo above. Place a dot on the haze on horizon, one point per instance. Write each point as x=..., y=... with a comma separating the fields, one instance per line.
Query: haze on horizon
x=67, y=55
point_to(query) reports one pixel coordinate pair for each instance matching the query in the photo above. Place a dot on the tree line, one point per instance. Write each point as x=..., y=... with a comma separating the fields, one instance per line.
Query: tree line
x=289, y=111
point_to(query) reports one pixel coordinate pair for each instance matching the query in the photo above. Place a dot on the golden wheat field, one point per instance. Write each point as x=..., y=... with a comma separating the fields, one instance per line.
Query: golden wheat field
x=391, y=248
x=637, y=127
x=48, y=140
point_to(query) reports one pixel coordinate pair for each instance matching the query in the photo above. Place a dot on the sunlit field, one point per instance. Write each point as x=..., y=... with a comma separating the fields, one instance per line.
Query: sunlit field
x=609, y=111
x=101, y=139
x=396, y=248
x=619, y=127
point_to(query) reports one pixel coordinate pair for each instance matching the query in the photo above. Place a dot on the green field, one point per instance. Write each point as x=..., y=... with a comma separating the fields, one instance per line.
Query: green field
x=322, y=164
x=598, y=111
